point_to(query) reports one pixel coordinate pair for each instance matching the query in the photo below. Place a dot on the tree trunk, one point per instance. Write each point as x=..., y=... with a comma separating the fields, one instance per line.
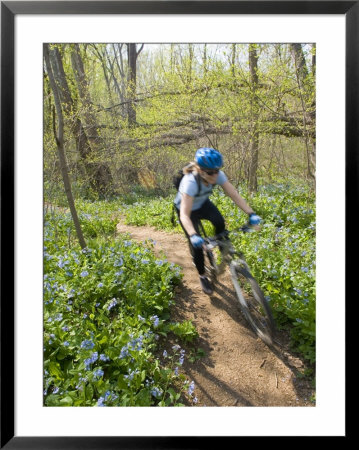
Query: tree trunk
x=190, y=64
x=302, y=74
x=102, y=58
x=132, y=57
x=61, y=152
x=314, y=59
x=83, y=88
x=69, y=107
x=254, y=144
x=121, y=71
x=101, y=174
x=205, y=69
x=299, y=60
x=172, y=58
x=233, y=61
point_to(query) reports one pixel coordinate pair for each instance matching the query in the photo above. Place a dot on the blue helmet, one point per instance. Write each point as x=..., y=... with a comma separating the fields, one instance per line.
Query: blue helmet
x=208, y=158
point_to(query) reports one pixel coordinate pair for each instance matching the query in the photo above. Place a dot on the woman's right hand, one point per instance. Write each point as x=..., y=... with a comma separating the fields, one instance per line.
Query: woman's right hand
x=196, y=240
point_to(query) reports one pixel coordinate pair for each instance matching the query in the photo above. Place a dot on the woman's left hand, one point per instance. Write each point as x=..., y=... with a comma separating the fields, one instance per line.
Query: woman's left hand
x=254, y=219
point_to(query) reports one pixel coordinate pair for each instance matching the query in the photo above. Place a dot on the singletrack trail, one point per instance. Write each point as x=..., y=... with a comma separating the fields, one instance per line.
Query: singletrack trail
x=238, y=369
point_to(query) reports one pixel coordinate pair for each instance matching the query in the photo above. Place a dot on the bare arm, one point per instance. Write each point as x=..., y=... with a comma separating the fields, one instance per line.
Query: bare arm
x=230, y=190
x=185, y=213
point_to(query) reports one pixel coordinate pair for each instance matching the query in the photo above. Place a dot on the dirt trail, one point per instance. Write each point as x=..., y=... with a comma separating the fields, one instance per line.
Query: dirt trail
x=238, y=368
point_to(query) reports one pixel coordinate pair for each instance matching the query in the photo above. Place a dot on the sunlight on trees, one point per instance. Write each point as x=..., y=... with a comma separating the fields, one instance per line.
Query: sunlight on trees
x=130, y=109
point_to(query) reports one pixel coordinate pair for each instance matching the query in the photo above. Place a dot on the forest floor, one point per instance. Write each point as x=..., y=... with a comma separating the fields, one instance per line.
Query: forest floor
x=237, y=368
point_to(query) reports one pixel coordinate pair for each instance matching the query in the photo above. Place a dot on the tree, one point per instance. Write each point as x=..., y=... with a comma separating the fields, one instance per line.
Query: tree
x=132, y=55
x=307, y=103
x=68, y=104
x=101, y=173
x=59, y=137
x=258, y=110
x=254, y=145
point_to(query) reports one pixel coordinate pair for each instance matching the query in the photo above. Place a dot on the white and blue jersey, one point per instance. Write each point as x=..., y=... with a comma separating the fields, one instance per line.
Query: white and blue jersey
x=189, y=186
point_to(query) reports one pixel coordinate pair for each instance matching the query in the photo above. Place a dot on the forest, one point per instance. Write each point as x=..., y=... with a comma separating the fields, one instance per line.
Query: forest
x=131, y=113
x=120, y=119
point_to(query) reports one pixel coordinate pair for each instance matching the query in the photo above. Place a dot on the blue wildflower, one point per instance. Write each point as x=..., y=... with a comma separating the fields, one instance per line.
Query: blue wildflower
x=118, y=263
x=62, y=263
x=155, y=320
x=112, y=304
x=84, y=273
x=124, y=352
x=131, y=374
x=89, y=361
x=182, y=352
x=191, y=388
x=87, y=344
x=101, y=401
x=98, y=373
x=156, y=392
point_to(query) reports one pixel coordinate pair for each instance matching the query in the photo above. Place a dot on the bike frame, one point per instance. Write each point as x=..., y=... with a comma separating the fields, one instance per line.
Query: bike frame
x=223, y=242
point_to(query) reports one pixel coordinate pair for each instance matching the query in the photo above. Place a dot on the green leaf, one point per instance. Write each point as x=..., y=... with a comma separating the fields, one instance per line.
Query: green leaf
x=89, y=392
x=54, y=370
x=66, y=401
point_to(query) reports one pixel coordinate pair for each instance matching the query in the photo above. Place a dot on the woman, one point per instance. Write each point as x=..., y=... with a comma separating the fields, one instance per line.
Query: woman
x=193, y=204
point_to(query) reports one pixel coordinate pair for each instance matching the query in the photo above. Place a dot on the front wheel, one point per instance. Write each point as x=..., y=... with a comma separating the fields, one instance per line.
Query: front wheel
x=252, y=301
x=211, y=265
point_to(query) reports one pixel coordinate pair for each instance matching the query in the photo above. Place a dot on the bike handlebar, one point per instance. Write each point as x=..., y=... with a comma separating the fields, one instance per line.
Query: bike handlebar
x=247, y=228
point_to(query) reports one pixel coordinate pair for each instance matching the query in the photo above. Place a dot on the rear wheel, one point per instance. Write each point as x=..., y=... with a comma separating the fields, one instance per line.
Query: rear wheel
x=252, y=301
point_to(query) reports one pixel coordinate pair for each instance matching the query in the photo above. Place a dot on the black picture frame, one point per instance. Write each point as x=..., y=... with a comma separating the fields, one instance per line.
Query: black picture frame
x=9, y=9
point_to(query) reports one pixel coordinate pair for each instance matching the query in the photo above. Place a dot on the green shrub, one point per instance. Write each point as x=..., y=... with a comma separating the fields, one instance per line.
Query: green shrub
x=104, y=310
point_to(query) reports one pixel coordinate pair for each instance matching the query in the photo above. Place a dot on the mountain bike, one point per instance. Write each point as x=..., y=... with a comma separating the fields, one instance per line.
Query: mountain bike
x=250, y=296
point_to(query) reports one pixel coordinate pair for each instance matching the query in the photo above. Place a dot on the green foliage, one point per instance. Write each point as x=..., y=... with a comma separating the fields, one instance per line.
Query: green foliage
x=184, y=330
x=187, y=96
x=105, y=308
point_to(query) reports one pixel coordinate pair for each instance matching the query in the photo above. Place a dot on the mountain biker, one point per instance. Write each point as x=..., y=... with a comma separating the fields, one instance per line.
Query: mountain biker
x=193, y=204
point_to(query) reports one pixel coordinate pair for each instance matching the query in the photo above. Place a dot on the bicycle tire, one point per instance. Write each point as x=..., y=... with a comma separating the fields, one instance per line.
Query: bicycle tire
x=211, y=265
x=252, y=301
